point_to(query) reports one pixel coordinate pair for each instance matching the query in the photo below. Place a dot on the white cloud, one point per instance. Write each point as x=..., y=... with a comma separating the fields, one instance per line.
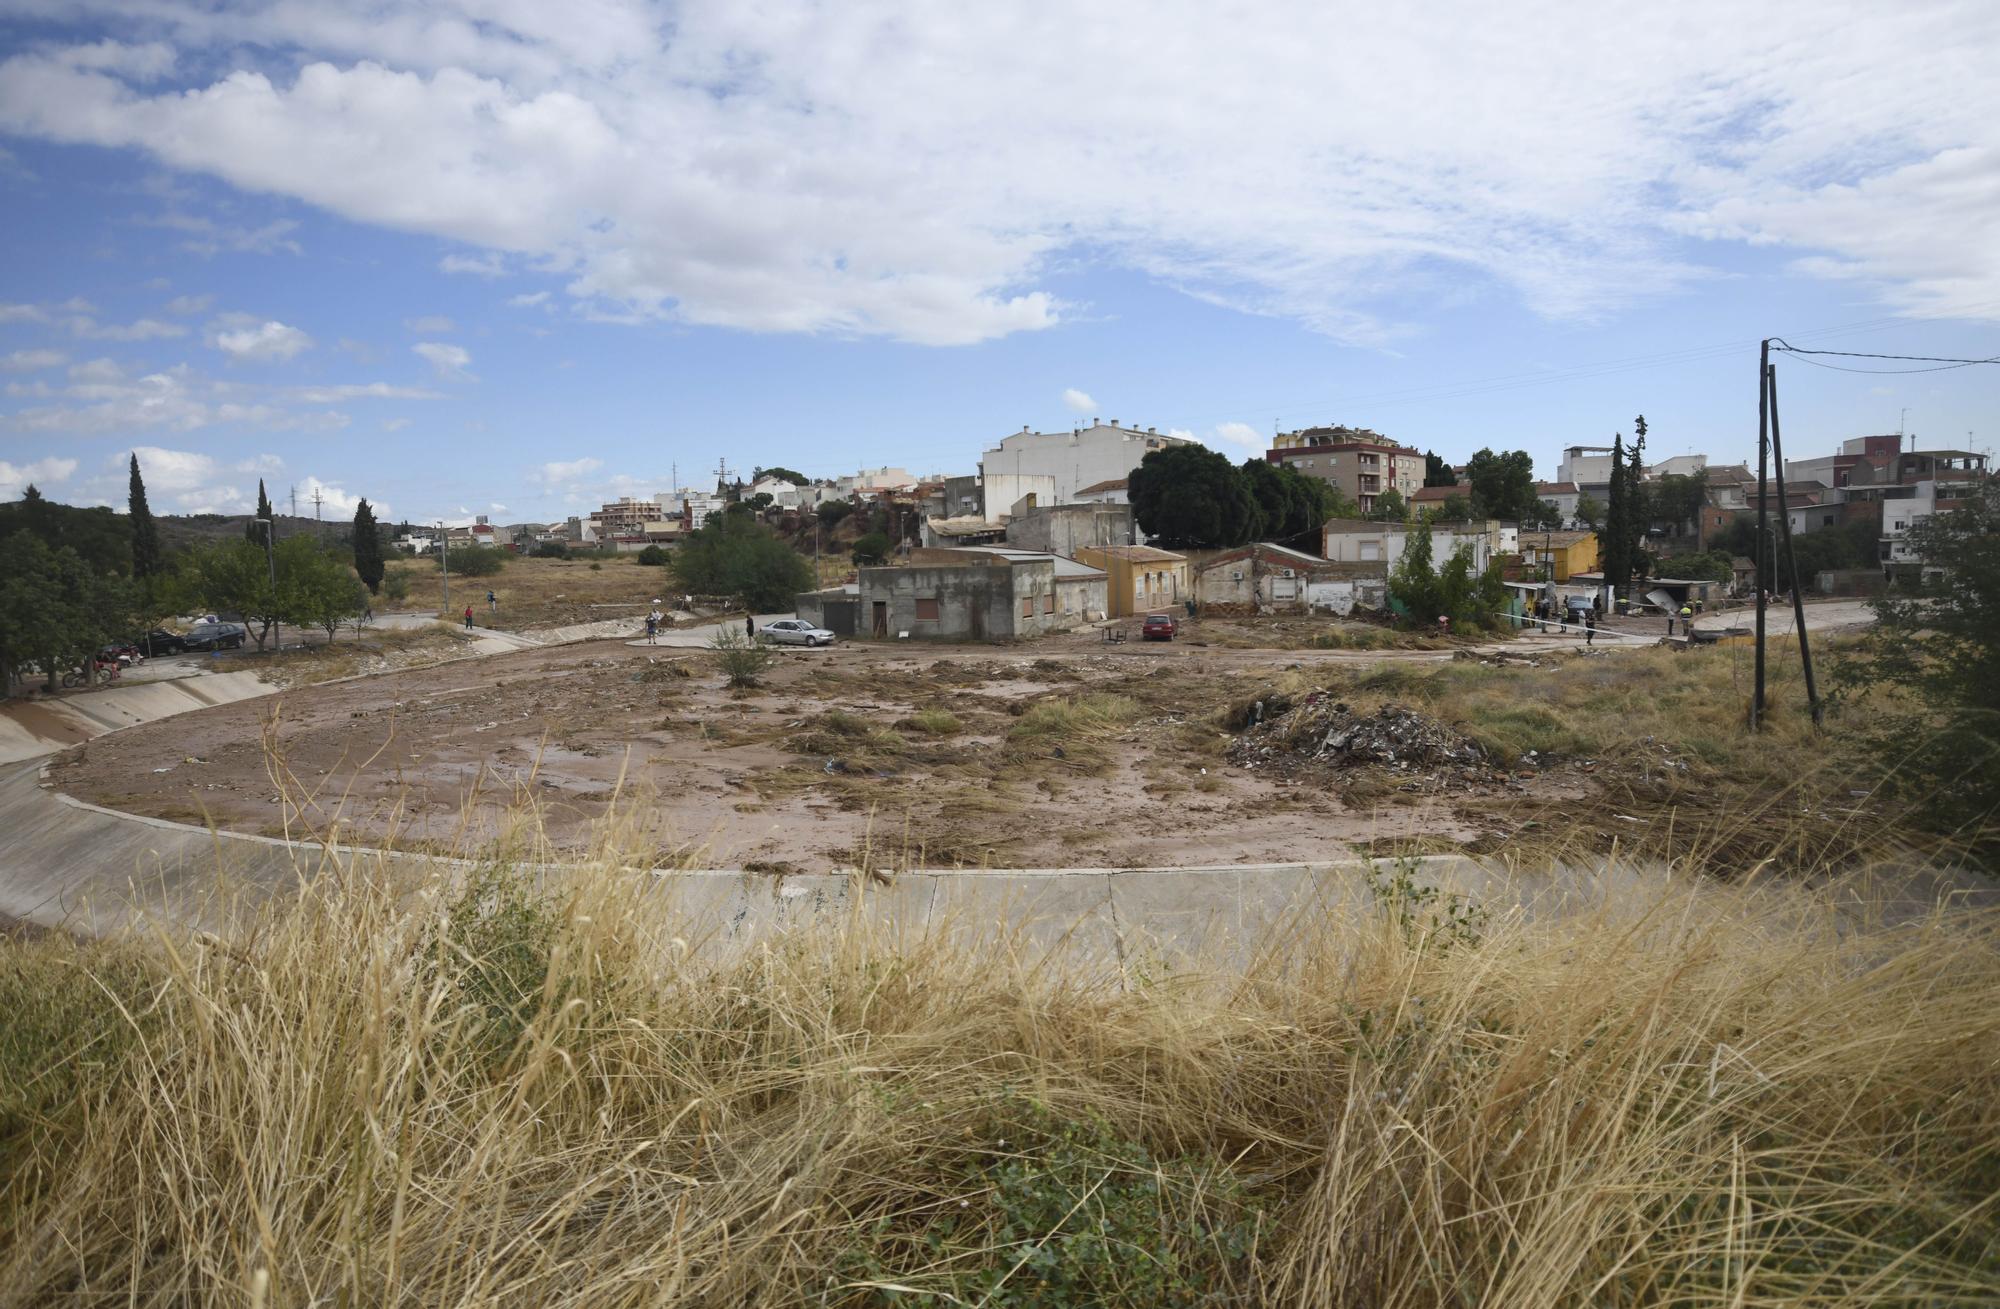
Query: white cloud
x=102, y=399
x=496, y=508
x=334, y=502
x=1241, y=435
x=96, y=372
x=474, y=265
x=529, y=300
x=335, y=393
x=1078, y=402
x=919, y=174
x=181, y=481
x=145, y=329
x=23, y=314
x=394, y=424
x=30, y=361
x=267, y=341
x=429, y=325
x=189, y=304
x=16, y=478
x=450, y=361
x=208, y=237
x=565, y=472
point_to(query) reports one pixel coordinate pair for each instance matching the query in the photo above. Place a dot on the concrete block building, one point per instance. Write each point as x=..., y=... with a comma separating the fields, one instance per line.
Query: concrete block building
x=971, y=594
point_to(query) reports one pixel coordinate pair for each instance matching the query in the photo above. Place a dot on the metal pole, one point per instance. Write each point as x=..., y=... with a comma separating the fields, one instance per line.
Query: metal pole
x=444, y=565
x=1791, y=563
x=1763, y=527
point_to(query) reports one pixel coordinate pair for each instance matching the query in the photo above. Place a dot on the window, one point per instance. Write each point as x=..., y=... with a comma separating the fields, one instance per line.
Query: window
x=1049, y=603
x=927, y=611
x=1027, y=606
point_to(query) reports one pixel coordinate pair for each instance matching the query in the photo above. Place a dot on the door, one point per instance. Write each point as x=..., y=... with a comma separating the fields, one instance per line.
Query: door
x=882, y=619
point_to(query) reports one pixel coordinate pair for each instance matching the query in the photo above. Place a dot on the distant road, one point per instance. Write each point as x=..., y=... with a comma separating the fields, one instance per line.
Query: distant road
x=1821, y=615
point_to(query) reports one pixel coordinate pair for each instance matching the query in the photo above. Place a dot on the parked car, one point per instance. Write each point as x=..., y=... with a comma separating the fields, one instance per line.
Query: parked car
x=1157, y=627
x=795, y=631
x=215, y=636
x=159, y=642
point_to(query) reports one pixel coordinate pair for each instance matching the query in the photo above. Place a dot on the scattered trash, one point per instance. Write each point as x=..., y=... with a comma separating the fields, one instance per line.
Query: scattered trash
x=1324, y=730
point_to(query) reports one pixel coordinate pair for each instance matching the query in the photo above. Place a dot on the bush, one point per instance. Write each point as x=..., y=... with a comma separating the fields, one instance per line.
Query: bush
x=550, y=550
x=833, y=511
x=474, y=560
x=737, y=656
x=933, y=722
x=733, y=554
x=396, y=584
x=872, y=548
x=653, y=557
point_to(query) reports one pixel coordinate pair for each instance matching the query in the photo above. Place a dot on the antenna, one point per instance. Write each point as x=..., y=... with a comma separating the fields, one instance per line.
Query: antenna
x=295, y=502
x=316, y=520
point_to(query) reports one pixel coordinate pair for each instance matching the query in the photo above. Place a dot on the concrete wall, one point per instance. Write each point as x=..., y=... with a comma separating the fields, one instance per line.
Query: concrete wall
x=976, y=601
x=1001, y=491
x=1082, y=457
x=1065, y=529
x=1082, y=599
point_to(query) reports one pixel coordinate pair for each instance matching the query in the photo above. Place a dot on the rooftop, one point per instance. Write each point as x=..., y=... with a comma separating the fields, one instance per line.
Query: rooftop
x=1064, y=566
x=1139, y=554
x=966, y=526
x=1115, y=484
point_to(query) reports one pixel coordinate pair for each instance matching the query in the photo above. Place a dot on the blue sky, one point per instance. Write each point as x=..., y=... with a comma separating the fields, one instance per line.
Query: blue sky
x=487, y=256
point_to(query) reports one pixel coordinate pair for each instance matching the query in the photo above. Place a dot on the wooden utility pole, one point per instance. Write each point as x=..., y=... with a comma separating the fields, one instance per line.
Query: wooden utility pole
x=1791, y=563
x=1764, y=578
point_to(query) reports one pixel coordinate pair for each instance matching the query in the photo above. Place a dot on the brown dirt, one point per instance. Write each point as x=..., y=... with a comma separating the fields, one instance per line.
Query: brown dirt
x=823, y=765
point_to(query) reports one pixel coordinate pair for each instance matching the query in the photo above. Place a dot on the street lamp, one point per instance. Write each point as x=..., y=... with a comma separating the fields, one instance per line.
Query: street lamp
x=271, y=561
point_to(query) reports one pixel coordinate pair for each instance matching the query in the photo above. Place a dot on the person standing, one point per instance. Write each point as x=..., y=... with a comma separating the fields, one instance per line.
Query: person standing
x=1687, y=622
x=652, y=627
x=1590, y=626
x=492, y=602
x=468, y=618
x=750, y=626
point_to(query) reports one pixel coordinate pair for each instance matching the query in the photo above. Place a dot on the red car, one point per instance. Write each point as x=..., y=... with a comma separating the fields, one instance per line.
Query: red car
x=1157, y=627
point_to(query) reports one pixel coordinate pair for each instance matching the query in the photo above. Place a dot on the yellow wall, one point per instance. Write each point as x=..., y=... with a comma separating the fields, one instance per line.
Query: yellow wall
x=1143, y=586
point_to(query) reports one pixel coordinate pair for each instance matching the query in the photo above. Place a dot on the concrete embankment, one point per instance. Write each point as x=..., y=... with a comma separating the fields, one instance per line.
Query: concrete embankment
x=30, y=729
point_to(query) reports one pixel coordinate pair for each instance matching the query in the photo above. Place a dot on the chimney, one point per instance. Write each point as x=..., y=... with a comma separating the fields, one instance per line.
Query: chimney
x=1114, y=422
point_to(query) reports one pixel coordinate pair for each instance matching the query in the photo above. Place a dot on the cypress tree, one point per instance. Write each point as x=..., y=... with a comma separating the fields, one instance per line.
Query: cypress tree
x=1617, y=571
x=367, y=548
x=145, y=534
x=1636, y=513
x=253, y=529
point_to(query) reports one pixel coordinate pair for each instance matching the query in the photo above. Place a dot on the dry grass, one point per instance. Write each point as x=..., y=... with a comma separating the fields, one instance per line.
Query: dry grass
x=565, y=1093
x=541, y=592
x=351, y=654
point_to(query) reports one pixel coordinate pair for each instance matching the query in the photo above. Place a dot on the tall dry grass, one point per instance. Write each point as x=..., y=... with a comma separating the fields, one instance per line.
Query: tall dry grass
x=491, y=1090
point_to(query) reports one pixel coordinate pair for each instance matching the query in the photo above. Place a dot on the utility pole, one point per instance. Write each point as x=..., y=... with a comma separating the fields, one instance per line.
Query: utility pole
x=444, y=565
x=1763, y=520
x=319, y=530
x=295, y=502
x=1791, y=563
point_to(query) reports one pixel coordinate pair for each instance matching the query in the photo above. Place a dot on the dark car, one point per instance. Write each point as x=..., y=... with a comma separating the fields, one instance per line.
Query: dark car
x=215, y=636
x=159, y=642
x=1157, y=627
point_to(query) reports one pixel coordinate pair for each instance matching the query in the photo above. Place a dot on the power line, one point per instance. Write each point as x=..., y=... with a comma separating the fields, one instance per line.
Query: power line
x=1942, y=364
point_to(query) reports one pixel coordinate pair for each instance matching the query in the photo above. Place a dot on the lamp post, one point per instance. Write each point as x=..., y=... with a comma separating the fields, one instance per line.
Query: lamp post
x=271, y=561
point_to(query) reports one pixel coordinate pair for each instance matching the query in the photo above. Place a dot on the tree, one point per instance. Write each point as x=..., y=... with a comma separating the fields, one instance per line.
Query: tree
x=734, y=554
x=1389, y=507
x=56, y=609
x=1437, y=472
x=1940, y=642
x=1677, y=499
x=1503, y=485
x=474, y=560
x=1544, y=516
x=833, y=511
x=1455, y=509
x=318, y=587
x=782, y=474
x=1613, y=554
x=254, y=531
x=557, y=550
x=653, y=556
x=1186, y=495
x=367, y=549
x=1426, y=593
x=872, y=548
x=1637, y=514
x=1590, y=511
x=99, y=537
x=145, y=533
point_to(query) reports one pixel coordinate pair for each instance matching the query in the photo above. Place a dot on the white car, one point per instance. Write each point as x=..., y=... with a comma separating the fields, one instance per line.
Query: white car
x=795, y=631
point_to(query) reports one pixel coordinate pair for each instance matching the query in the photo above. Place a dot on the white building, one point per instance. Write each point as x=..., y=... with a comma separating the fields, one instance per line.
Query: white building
x=1111, y=491
x=1585, y=465
x=1364, y=541
x=1081, y=457
x=783, y=494
x=1677, y=466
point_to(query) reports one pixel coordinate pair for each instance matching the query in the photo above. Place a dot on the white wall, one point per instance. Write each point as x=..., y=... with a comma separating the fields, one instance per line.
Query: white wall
x=1075, y=459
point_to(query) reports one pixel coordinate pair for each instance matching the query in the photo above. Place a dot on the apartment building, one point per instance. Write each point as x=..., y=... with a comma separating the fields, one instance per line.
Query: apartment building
x=1361, y=463
x=1027, y=462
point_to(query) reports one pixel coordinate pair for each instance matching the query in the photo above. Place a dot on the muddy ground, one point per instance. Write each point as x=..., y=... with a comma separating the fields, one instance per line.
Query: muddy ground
x=833, y=761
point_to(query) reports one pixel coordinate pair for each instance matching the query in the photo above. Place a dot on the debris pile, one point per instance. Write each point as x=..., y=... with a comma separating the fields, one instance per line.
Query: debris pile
x=1322, y=729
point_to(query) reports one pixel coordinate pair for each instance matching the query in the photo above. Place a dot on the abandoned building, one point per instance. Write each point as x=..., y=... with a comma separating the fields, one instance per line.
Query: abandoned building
x=971, y=594
x=1140, y=578
x=1274, y=579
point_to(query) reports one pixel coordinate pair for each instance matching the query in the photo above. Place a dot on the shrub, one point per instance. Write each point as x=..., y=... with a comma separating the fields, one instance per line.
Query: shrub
x=733, y=554
x=933, y=722
x=737, y=656
x=475, y=560
x=551, y=550
x=396, y=584
x=1083, y=715
x=872, y=548
x=653, y=557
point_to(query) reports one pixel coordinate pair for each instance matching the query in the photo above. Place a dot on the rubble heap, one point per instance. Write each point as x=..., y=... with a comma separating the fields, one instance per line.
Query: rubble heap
x=1322, y=729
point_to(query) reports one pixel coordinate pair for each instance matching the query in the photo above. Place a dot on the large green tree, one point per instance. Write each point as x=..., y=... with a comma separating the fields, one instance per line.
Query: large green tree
x=1503, y=484
x=145, y=532
x=56, y=608
x=1590, y=511
x=735, y=555
x=1613, y=555
x=1437, y=472
x=1389, y=507
x=99, y=537
x=368, y=564
x=1186, y=495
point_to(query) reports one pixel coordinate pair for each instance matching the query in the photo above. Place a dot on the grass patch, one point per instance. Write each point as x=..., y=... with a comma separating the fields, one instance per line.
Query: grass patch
x=1698, y=1096
x=933, y=722
x=1070, y=718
